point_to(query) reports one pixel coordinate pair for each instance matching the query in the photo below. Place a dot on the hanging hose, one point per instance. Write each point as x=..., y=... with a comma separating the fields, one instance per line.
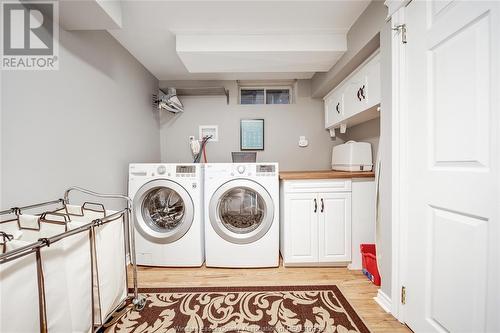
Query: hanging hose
x=204, y=141
x=204, y=154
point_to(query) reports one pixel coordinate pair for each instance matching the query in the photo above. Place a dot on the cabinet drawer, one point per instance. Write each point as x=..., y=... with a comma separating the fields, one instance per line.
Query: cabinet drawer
x=322, y=185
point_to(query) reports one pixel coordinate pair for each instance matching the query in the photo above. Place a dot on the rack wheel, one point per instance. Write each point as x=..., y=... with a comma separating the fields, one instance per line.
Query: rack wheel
x=139, y=302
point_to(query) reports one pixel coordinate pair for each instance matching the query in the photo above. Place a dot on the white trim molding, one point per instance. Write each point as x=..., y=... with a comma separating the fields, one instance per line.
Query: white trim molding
x=393, y=6
x=383, y=300
x=1, y=134
x=398, y=147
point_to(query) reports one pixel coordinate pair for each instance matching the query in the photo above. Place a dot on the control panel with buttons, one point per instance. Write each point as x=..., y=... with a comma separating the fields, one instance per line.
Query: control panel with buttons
x=161, y=170
x=241, y=169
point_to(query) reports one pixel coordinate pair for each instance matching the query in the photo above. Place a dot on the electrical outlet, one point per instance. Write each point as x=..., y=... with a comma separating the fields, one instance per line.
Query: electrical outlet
x=303, y=142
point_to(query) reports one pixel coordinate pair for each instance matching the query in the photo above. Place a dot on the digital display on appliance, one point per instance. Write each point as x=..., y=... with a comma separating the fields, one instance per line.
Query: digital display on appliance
x=265, y=168
x=185, y=169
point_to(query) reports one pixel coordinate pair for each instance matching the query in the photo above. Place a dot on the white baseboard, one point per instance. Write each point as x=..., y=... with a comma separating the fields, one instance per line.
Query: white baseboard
x=383, y=300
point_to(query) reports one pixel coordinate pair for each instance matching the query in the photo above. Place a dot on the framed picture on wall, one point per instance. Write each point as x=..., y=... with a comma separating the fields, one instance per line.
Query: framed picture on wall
x=252, y=134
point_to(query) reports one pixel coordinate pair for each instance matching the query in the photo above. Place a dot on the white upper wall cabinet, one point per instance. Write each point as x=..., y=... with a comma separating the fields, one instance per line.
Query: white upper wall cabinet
x=353, y=101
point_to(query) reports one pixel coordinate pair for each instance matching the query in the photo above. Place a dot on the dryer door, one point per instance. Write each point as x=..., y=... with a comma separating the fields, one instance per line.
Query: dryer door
x=241, y=211
x=163, y=210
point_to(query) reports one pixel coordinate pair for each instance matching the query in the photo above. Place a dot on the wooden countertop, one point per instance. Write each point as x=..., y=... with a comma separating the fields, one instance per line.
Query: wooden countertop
x=324, y=174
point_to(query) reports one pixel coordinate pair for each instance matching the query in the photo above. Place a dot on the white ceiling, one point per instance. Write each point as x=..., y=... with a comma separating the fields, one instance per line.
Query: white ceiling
x=90, y=14
x=149, y=28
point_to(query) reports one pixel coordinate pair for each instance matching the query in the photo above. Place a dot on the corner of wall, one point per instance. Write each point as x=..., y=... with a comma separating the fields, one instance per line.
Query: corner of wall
x=362, y=40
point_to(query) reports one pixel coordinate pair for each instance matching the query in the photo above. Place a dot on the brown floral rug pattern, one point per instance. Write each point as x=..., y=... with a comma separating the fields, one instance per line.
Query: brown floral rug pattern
x=240, y=309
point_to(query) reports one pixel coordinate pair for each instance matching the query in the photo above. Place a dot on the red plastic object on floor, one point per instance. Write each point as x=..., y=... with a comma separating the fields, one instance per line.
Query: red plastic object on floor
x=369, y=262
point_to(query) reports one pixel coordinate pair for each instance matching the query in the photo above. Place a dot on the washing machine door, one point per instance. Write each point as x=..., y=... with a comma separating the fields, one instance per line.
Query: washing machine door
x=241, y=211
x=163, y=210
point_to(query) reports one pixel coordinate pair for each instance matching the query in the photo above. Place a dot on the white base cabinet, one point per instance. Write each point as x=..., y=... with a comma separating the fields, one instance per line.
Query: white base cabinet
x=323, y=222
x=315, y=222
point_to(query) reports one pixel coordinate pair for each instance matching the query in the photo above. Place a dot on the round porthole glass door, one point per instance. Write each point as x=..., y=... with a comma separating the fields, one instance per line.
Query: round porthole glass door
x=241, y=211
x=163, y=210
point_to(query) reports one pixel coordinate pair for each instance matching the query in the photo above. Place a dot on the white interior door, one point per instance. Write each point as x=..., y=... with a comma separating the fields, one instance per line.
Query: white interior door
x=453, y=166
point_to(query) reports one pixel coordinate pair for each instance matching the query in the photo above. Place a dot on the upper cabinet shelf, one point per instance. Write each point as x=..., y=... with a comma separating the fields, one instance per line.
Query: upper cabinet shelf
x=355, y=99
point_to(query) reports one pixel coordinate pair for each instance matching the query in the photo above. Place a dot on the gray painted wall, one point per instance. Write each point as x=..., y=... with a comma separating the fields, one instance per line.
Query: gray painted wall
x=367, y=34
x=283, y=126
x=80, y=125
x=366, y=132
x=378, y=133
x=362, y=40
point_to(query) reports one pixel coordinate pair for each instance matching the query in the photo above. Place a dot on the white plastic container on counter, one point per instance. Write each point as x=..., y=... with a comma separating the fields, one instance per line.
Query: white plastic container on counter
x=352, y=156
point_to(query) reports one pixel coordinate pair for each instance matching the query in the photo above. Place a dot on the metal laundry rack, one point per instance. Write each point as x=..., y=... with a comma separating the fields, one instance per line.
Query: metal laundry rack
x=138, y=300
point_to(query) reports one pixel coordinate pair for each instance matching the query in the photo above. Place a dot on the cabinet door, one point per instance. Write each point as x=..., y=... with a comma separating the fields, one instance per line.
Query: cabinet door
x=328, y=111
x=372, y=78
x=301, y=231
x=353, y=97
x=362, y=90
x=334, y=227
x=334, y=107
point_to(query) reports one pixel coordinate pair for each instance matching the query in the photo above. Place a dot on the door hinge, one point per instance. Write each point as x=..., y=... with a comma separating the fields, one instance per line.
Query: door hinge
x=401, y=29
x=403, y=295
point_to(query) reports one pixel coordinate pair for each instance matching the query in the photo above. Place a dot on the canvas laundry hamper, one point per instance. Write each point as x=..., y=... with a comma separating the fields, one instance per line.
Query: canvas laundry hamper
x=19, y=293
x=110, y=285
x=69, y=278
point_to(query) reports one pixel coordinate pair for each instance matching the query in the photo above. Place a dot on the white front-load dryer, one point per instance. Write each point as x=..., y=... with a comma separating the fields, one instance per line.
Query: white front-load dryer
x=242, y=215
x=168, y=214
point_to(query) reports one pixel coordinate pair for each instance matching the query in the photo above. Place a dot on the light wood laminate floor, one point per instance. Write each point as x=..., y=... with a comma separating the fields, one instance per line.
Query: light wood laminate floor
x=353, y=284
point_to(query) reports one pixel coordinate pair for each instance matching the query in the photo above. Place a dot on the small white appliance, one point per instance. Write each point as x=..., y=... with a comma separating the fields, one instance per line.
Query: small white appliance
x=242, y=215
x=168, y=214
x=352, y=156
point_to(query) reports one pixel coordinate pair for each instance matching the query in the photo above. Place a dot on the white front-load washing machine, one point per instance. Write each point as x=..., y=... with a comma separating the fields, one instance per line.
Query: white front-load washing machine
x=242, y=215
x=168, y=214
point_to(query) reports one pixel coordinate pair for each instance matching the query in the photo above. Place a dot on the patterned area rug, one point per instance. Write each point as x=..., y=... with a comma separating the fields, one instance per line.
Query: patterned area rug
x=240, y=309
